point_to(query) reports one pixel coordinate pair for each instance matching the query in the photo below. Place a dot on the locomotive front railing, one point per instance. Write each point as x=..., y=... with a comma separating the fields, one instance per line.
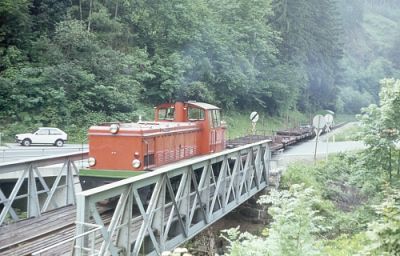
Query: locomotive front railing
x=159, y=210
x=32, y=186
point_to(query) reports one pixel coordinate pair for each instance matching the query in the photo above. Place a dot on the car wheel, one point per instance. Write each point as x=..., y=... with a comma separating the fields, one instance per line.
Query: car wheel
x=26, y=142
x=59, y=143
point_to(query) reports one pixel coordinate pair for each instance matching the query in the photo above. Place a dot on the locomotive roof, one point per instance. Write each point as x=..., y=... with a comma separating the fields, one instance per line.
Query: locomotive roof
x=202, y=105
x=156, y=125
x=142, y=128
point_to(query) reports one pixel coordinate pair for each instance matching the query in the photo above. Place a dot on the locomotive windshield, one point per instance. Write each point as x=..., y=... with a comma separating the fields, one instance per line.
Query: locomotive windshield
x=215, y=118
x=166, y=113
x=195, y=114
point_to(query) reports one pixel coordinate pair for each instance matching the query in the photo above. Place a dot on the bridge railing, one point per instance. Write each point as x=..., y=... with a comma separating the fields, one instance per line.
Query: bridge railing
x=15, y=153
x=159, y=210
x=32, y=186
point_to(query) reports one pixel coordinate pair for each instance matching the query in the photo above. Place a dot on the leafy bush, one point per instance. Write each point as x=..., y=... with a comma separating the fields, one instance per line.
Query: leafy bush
x=344, y=245
x=346, y=189
x=300, y=174
x=385, y=232
x=292, y=231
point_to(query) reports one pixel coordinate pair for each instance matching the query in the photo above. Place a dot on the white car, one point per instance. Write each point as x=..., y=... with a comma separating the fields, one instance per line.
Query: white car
x=44, y=135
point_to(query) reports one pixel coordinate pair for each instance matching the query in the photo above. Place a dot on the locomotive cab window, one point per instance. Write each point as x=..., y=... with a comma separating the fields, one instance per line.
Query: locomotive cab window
x=195, y=114
x=215, y=118
x=166, y=114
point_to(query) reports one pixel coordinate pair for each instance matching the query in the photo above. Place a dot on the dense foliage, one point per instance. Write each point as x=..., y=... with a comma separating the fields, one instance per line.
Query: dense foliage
x=291, y=233
x=380, y=128
x=355, y=207
x=370, y=45
x=77, y=62
x=335, y=208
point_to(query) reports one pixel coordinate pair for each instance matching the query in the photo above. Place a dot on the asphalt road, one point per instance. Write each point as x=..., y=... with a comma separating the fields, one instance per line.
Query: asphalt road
x=14, y=151
x=305, y=151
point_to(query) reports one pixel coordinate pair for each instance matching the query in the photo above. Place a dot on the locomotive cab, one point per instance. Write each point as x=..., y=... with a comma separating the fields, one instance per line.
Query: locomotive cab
x=207, y=117
x=180, y=130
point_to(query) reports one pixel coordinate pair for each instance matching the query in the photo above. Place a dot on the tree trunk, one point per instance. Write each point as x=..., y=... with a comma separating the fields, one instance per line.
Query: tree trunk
x=80, y=9
x=390, y=164
x=398, y=163
x=116, y=10
x=90, y=15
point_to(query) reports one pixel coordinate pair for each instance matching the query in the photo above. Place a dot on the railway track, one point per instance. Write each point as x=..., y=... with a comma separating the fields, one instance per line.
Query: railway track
x=27, y=236
x=34, y=234
x=281, y=139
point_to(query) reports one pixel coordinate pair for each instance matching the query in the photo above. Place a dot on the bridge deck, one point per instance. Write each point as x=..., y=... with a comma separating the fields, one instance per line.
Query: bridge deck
x=30, y=235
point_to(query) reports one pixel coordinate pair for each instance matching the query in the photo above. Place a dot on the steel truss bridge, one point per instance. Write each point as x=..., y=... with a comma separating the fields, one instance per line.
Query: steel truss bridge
x=156, y=211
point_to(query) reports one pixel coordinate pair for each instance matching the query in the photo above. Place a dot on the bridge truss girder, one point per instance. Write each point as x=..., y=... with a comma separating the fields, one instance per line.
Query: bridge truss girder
x=33, y=192
x=162, y=209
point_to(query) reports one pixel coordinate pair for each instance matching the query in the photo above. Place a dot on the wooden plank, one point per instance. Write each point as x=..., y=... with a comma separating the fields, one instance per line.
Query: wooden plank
x=19, y=232
x=27, y=222
x=22, y=235
x=36, y=245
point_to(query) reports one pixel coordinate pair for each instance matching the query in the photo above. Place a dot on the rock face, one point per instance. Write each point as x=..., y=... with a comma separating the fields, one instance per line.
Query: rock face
x=253, y=212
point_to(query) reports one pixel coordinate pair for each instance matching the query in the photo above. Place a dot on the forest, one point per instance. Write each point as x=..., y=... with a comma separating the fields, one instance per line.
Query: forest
x=72, y=63
x=347, y=204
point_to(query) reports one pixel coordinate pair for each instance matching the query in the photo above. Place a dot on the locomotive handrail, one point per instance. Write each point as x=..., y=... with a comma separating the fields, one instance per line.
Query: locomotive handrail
x=183, y=199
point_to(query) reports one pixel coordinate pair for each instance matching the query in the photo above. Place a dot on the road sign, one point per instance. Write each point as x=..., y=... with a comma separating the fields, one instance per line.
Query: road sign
x=319, y=122
x=329, y=122
x=254, y=117
x=328, y=119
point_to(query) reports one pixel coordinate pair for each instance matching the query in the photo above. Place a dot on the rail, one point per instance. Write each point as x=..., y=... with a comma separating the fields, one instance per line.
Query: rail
x=159, y=210
x=29, y=187
x=91, y=234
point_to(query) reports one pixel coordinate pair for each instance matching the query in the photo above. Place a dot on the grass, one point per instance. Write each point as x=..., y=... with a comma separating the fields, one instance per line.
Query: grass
x=239, y=124
x=348, y=133
x=341, y=118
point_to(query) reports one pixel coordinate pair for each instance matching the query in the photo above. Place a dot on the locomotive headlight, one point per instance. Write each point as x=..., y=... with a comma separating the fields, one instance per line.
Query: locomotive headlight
x=92, y=161
x=114, y=128
x=136, y=163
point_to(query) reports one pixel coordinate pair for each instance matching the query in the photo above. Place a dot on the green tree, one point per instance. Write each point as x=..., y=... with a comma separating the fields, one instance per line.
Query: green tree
x=380, y=126
x=292, y=230
x=310, y=46
x=15, y=23
x=385, y=232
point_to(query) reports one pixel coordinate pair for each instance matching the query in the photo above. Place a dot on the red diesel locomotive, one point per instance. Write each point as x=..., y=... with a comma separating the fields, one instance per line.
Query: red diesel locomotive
x=180, y=130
